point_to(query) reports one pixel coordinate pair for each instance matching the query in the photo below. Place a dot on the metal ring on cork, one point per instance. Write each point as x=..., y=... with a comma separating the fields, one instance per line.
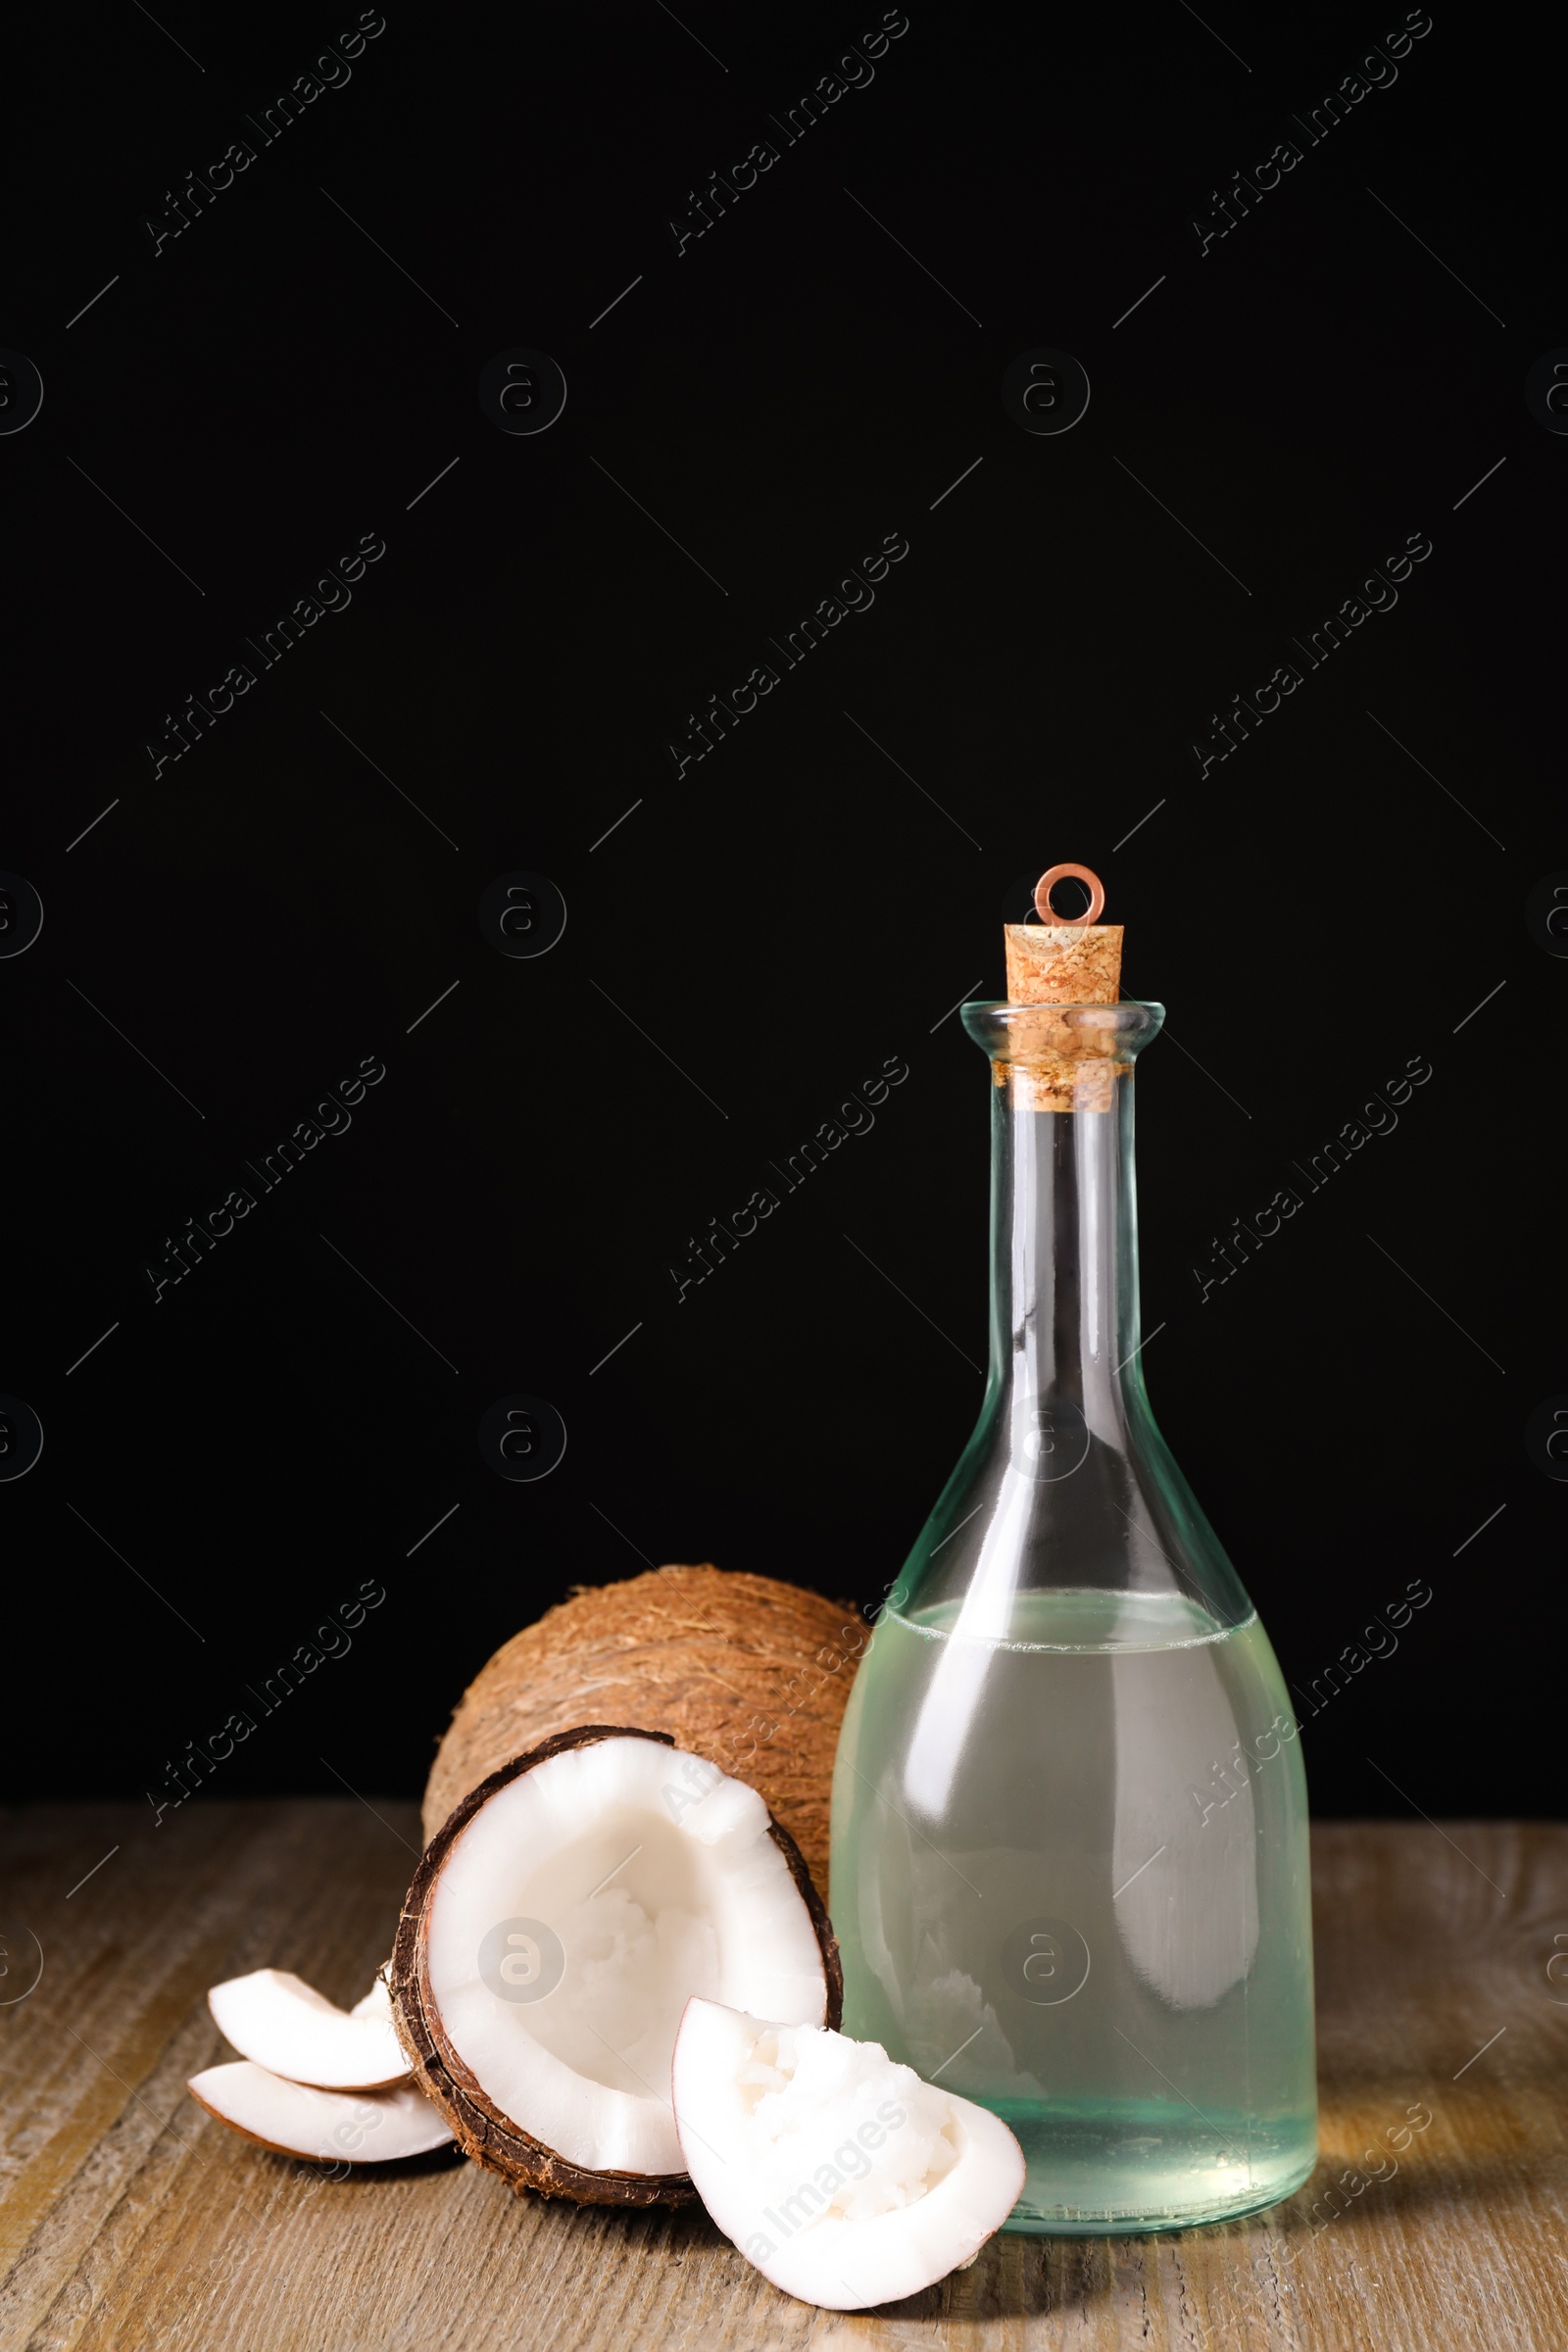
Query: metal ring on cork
x=1062, y=874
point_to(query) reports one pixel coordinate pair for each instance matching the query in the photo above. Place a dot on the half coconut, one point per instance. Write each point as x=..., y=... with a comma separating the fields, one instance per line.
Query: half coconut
x=557, y=1925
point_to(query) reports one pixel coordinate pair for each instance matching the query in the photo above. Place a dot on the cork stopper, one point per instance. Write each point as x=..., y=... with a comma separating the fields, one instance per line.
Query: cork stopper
x=1058, y=1064
x=1061, y=961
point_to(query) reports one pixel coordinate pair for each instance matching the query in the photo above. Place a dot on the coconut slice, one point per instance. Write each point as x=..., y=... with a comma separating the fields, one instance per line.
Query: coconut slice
x=557, y=1927
x=283, y=2024
x=367, y=2127
x=842, y=2176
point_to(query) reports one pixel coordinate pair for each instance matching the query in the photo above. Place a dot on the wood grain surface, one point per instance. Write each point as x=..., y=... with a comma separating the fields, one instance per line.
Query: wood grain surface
x=132, y=2219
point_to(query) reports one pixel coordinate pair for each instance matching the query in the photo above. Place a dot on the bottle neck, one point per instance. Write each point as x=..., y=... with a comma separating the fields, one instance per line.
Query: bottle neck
x=1064, y=1325
x=1066, y=1484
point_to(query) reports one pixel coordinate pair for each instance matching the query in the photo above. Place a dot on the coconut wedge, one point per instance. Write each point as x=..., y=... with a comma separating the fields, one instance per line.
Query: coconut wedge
x=842, y=2176
x=283, y=2024
x=555, y=1929
x=325, y=2126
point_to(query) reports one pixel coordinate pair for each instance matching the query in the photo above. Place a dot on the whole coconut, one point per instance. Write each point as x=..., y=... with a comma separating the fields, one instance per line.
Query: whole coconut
x=751, y=1673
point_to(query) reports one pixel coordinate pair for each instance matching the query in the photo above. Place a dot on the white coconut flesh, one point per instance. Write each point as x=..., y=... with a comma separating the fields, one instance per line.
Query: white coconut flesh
x=577, y=1912
x=367, y=2127
x=842, y=2176
x=283, y=2024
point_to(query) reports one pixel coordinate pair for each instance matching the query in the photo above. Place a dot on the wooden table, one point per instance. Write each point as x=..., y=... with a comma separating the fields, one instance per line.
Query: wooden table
x=130, y=2219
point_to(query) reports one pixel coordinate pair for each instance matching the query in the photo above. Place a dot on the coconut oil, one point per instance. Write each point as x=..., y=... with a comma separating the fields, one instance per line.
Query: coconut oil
x=1069, y=1865
x=1080, y=1897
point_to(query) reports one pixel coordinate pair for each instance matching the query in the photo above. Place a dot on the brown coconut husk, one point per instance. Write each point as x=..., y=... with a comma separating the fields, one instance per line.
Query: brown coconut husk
x=479, y=2126
x=750, y=1673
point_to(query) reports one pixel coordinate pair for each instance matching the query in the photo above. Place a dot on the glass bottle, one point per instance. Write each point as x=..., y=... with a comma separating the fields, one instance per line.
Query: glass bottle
x=1070, y=1850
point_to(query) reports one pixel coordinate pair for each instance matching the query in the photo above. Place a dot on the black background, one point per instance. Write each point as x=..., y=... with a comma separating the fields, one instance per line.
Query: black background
x=760, y=933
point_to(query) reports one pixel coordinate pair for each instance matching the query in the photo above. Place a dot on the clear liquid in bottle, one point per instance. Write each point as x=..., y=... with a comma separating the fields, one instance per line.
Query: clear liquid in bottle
x=1079, y=1946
